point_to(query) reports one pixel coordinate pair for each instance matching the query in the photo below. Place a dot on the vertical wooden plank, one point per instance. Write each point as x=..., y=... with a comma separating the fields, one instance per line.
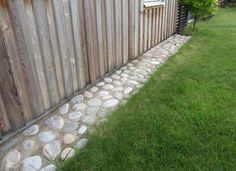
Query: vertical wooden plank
x=55, y=48
x=141, y=28
x=154, y=26
x=38, y=59
x=83, y=39
x=118, y=29
x=46, y=50
x=63, y=45
x=157, y=25
x=109, y=19
x=125, y=30
x=12, y=51
x=136, y=27
x=5, y=124
x=175, y=16
x=8, y=91
x=68, y=20
x=150, y=28
x=77, y=34
x=25, y=49
x=131, y=28
x=100, y=36
x=162, y=23
x=145, y=42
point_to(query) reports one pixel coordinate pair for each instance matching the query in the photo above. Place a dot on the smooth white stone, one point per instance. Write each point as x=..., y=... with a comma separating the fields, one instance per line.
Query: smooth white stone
x=55, y=122
x=33, y=163
x=64, y=109
x=45, y=137
x=116, y=89
x=11, y=161
x=108, y=80
x=80, y=106
x=128, y=90
x=67, y=153
x=118, y=95
x=81, y=143
x=124, y=75
x=88, y=94
x=92, y=110
x=82, y=130
x=118, y=72
x=70, y=127
x=52, y=150
x=107, y=97
x=110, y=103
x=96, y=102
x=33, y=130
x=77, y=99
x=94, y=89
x=103, y=93
x=75, y=116
x=117, y=83
x=108, y=87
x=101, y=84
x=115, y=77
x=28, y=144
x=68, y=138
x=50, y=167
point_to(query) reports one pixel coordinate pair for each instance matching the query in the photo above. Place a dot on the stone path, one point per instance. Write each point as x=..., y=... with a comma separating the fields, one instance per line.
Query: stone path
x=58, y=135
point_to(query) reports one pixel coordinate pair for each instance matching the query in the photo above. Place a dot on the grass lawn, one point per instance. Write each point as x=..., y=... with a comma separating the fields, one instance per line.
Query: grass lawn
x=185, y=116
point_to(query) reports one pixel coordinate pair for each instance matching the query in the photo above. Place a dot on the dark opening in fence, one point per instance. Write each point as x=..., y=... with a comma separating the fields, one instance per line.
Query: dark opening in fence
x=182, y=18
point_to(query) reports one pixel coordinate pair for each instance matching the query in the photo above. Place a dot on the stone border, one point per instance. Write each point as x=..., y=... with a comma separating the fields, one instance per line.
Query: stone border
x=58, y=135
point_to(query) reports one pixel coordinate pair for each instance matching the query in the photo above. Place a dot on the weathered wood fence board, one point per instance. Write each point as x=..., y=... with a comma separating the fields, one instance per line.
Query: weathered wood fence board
x=55, y=48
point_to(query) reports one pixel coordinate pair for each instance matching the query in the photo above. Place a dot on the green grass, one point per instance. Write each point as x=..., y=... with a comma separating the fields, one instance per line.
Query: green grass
x=185, y=116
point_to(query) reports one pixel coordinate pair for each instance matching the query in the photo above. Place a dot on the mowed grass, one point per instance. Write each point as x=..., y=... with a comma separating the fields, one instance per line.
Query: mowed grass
x=185, y=116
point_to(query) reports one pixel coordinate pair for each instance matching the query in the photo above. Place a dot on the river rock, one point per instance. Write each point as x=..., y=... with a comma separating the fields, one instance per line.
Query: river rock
x=11, y=161
x=67, y=153
x=33, y=163
x=52, y=150
x=55, y=122
x=33, y=130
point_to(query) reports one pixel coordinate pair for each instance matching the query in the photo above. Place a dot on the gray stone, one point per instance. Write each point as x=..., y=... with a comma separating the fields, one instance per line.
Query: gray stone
x=52, y=150
x=55, y=122
x=45, y=137
x=108, y=87
x=124, y=75
x=75, y=116
x=126, y=71
x=88, y=94
x=33, y=130
x=77, y=99
x=80, y=106
x=70, y=127
x=94, y=89
x=89, y=120
x=101, y=84
x=130, y=64
x=108, y=80
x=81, y=143
x=103, y=93
x=116, y=89
x=82, y=130
x=67, y=153
x=116, y=77
x=118, y=95
x=64, y=109
x=117, y=83
x=92, y=110
x=118, y=72
x=28, y=144
x=107, y=97
x=33, y=163
x=68, y=139
x=128, y=90
x=95, y=102
x=11, y=161
x=50, y=167
x=110, y=103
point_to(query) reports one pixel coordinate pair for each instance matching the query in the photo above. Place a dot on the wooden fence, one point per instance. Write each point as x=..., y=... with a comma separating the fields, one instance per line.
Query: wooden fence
x=51, y=49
